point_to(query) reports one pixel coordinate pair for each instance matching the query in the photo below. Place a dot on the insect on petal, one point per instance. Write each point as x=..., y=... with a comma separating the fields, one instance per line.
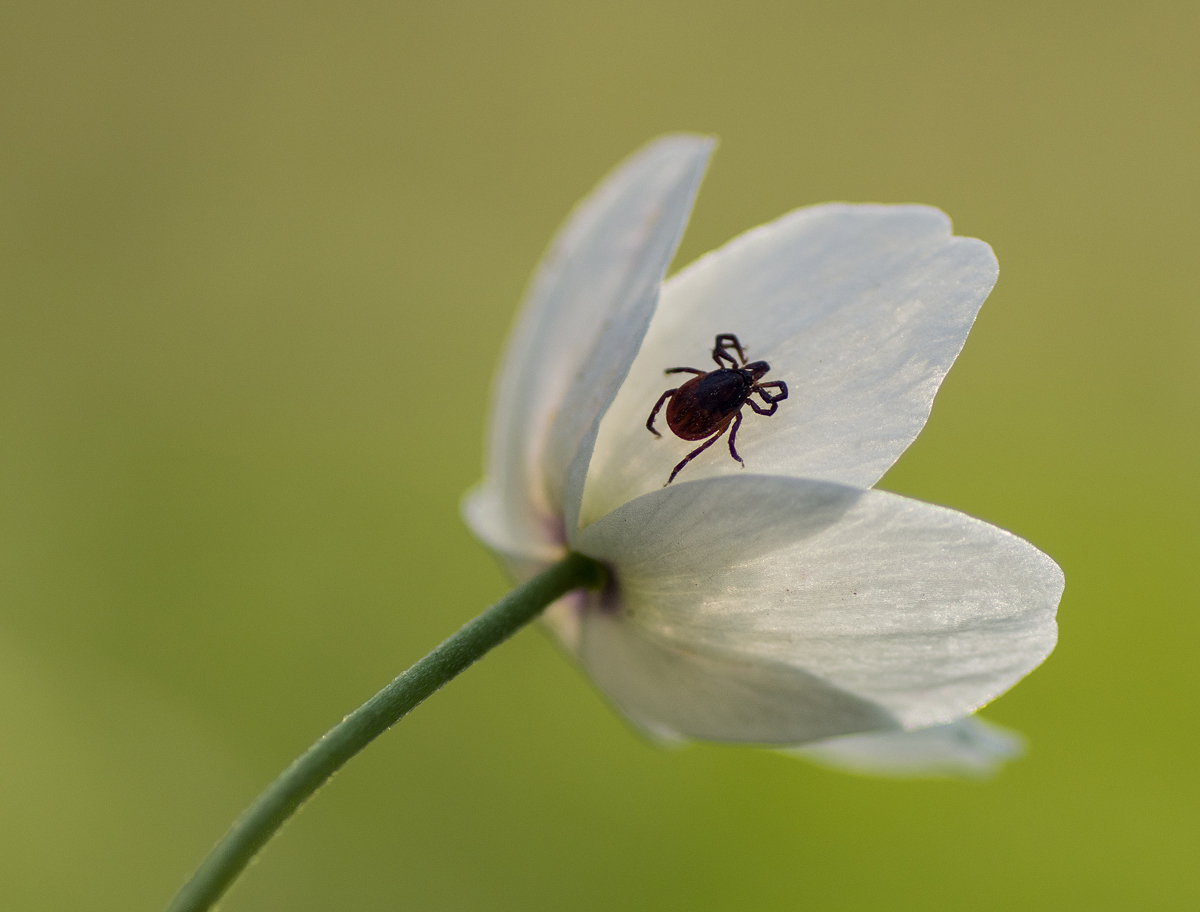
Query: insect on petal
x=787, y=605
x=860, y=309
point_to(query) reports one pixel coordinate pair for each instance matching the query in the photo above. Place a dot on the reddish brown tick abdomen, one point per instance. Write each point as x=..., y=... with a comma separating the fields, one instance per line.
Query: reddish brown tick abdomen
x=705, y=405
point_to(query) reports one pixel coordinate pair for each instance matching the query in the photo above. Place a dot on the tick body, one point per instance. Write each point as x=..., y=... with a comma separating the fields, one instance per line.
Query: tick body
x=710, y=402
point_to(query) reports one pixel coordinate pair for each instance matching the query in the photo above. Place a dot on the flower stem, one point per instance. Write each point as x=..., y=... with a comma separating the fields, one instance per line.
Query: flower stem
x=312, y=769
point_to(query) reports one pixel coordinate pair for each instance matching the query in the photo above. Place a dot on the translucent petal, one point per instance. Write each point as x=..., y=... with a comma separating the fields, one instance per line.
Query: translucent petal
x=484, y=511
x=579, y=328
x=860, y=309
x=970, y=747
x=919, y=609
x=672, y=691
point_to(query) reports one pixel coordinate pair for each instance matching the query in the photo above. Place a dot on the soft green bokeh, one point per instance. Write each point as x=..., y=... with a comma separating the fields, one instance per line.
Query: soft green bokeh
x=256, y=263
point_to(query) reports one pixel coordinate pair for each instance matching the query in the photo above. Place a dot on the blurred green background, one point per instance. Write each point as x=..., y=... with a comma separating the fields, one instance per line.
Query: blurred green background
x=257, y=260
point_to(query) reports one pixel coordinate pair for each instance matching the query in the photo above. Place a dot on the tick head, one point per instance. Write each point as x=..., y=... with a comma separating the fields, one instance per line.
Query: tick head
x=757, y=369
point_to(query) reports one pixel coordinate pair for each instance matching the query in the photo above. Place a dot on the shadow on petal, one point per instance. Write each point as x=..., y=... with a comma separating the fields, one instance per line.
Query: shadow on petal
x=671, y=691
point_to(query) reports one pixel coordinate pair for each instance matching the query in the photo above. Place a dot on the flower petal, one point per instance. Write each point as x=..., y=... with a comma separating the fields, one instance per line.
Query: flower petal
x=580, y=326
x=971, y=747
x=919, y=609
x=672, y=691
x=525, y=541
x=860, y=309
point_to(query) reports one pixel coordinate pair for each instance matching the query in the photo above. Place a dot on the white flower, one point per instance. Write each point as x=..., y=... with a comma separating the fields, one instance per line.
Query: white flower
x=788, y=604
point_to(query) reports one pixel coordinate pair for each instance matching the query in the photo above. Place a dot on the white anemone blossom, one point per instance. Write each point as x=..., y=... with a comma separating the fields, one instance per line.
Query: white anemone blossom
x=789, y=604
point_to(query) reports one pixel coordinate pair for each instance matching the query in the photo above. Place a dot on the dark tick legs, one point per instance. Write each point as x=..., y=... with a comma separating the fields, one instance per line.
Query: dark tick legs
x=721, y=357
x=654, y=412
x=761, y=389
x=737, y=423
x=696, y=452
x=684, y=370
x=720, y=353
x=772, y=399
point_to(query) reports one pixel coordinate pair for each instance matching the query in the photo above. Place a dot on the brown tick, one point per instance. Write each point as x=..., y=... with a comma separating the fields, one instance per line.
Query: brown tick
x=704, y=406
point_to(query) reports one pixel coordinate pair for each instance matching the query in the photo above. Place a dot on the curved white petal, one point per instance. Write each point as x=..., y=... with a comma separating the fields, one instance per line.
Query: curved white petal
x=919, y=609
x=860, y=309
x=580, y=326
x=672, y=691
x=486, y=514
x=970, y=747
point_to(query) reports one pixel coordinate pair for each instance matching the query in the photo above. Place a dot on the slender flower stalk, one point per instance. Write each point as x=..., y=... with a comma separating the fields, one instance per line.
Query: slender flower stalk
x=312, y=769
x=793, y=605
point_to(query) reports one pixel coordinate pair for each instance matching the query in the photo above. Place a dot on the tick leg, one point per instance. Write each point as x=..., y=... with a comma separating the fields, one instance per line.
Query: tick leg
x=684, y=370
x=726, y=341
x=772, y=399
x=737, y=423
x=661, y=399
x=696, y=452
x=724, y=359
x=761, y=389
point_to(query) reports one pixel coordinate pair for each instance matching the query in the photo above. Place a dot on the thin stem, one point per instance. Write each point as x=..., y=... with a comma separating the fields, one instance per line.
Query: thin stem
x=310, y=770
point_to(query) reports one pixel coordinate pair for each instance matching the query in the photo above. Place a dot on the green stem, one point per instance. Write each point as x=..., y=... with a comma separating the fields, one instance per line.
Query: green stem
x=310, y=770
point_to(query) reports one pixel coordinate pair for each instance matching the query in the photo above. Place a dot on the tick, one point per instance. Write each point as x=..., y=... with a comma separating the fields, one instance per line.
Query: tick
x=706, y=404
